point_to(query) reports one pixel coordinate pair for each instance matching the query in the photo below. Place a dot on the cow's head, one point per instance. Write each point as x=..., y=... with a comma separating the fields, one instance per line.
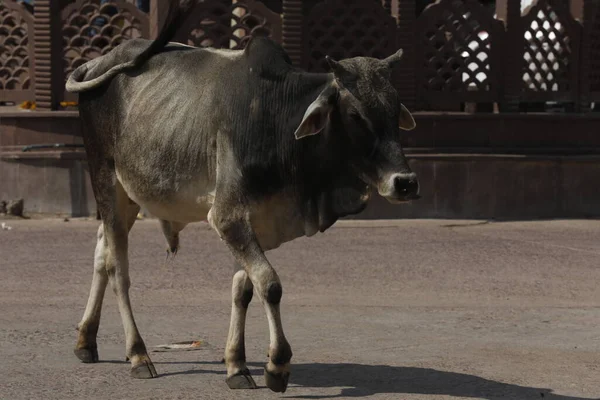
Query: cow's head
x=362, y=104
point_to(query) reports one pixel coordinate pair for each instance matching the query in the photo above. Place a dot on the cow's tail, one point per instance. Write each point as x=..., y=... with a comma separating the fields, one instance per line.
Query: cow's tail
x=178, y=12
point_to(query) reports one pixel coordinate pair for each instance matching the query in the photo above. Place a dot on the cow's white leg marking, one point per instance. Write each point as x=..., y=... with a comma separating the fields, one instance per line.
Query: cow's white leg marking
x=238, y=376
x=117, y=265
x=234, y=227
x=86, y=349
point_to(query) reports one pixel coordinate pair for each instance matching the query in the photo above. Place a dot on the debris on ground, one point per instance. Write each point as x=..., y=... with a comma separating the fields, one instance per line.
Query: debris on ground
x=5, y=227
x=180, y=346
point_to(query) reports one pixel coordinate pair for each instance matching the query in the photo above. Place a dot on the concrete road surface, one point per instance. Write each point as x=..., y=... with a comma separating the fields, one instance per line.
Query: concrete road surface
x=378, y=310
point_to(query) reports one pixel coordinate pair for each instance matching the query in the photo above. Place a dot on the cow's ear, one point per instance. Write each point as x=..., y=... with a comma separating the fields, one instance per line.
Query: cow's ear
x=407, y=122
x=316, y=116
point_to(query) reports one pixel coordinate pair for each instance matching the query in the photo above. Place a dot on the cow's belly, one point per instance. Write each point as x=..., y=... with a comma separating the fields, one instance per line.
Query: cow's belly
x=182, y=201
x=184, y=210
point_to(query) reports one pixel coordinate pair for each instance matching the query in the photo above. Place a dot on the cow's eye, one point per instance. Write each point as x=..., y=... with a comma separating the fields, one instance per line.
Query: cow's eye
x=355, y=116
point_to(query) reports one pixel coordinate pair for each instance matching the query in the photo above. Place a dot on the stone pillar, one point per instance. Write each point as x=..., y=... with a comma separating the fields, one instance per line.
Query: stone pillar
x=583, y=11
x=404, y=76
x=49, y=76
x=158, y=13
x=577, y=7
x=292, y=30
x=509, y=12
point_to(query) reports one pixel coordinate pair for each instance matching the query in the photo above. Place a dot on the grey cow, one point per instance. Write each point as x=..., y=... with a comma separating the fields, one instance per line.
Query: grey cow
x=262, y=150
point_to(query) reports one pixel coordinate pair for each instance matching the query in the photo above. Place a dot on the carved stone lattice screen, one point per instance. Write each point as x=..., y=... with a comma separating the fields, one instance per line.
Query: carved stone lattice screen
x=64, y=3
x=91, y=28
x=347, y=28
x=16, y=53
x=551, y=52
x=459, y=45
x=228, y=25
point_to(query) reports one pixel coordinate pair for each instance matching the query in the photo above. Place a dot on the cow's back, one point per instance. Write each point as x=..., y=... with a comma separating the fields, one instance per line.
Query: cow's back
x=160, y=125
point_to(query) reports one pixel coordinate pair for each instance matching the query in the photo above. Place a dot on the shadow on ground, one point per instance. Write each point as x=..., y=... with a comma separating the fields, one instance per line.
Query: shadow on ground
x=359, y=380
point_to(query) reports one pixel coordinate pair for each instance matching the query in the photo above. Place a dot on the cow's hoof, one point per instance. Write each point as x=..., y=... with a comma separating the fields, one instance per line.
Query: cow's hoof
x=277, y=381
x=241, y=380
x=87, y=355
x=145, y=370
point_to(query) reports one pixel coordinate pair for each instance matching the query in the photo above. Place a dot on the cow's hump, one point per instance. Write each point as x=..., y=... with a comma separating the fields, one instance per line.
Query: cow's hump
x=267, y=57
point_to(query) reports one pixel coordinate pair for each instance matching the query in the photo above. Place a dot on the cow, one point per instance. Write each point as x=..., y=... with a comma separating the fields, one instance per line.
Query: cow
x=262, y=150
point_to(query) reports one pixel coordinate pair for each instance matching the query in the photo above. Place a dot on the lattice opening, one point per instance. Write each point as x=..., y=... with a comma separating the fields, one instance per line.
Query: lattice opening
x=94, y=29
x=547, y=52
x=14, y=54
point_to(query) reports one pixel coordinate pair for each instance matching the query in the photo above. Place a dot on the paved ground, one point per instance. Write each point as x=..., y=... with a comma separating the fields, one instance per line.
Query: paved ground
x=378, y=310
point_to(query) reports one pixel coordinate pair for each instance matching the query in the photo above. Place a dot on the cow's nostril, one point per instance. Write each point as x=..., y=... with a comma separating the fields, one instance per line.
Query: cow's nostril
x=405, y=185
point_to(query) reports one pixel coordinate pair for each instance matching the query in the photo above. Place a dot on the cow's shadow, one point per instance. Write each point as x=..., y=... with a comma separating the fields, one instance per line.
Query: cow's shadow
x=359, y=380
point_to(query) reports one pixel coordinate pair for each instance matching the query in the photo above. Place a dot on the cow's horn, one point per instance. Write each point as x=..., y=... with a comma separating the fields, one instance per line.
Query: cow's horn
x=393, y=60
x=335, y=66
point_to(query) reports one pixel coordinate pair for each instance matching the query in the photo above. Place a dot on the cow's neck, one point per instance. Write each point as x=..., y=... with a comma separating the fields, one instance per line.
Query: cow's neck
x=331, y=189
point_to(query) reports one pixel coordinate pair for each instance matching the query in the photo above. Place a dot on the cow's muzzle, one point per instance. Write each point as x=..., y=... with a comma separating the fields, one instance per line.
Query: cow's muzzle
x=400, y=187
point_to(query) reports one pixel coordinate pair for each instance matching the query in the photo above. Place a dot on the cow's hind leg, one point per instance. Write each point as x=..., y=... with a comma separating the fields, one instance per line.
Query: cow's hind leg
x=86, y=349
x=117, y=265
x=238, y=375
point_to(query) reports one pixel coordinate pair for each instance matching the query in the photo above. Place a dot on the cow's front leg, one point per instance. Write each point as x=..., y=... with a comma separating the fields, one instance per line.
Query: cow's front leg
x=238, y=375
x=235, y=229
